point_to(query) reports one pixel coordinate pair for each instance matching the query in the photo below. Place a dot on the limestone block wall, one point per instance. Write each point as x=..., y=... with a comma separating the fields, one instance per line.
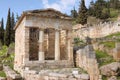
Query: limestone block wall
x=97, y=31
x=19, y=45
x=85, y=58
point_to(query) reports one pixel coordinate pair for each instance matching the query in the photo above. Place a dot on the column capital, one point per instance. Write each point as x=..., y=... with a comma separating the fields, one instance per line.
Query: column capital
x=57, y=29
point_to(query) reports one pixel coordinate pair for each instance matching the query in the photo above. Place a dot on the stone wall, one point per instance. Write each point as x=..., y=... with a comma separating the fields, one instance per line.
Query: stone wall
x=19, y=45
x=96, y=31
x=86, y=59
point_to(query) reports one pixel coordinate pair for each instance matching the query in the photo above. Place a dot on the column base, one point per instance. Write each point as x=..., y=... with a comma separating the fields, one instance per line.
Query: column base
x=41, y=56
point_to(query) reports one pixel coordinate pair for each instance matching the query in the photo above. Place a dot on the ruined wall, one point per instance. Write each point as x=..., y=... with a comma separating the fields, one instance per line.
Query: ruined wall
x=96, y=31
x=85, y=58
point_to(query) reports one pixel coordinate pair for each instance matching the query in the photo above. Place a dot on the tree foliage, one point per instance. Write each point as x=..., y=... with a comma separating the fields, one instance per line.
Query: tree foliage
x=82, y=13
x=12, y=28
x=8, y=29
x=102, y=8
x=2, y=31
x=74, y=13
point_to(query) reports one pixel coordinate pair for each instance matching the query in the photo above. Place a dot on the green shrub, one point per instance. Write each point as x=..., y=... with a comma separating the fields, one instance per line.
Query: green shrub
x=103, y=58
x=6, y=59
x=78, y=42
x=113, y=13
x=104, y=77
x=101, y=54
x=2, y=74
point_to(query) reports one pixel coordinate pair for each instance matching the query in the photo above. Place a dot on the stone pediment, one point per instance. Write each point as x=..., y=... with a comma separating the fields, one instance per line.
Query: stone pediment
x=51, y=13
x=43, y=13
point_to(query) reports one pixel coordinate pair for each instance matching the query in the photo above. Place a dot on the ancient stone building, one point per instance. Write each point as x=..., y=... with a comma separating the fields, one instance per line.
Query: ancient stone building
x=43, y=39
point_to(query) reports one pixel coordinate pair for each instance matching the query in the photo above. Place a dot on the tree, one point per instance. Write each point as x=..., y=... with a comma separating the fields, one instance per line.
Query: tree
x=12, y=28
x=74, y=13
x=8, y=29
x=82, y=14
x=2, y=31
x=115, y=4
x=98, y=8
x=91, y=10
x=17, y=17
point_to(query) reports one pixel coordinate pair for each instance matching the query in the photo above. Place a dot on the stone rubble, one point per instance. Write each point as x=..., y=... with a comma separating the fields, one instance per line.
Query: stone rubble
x=11, y=74
x=112, y=69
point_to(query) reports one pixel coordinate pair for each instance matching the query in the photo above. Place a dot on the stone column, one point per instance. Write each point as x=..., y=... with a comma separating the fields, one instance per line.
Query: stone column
x=41, y=46
x=57, y=45
x=69, y=46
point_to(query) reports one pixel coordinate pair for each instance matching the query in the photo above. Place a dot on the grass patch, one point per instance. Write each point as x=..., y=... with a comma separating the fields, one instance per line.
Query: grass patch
x=101, y=54
x=109, y=44
x=114, y=13
x=2, y=74
x=118, y=77
x=115, y=34
x=103, y=58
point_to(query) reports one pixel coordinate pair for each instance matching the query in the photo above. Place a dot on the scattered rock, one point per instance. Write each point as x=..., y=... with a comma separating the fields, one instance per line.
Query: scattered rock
x=82, y=76
x=112, y=69
x=112, y=78
x=2, y=78
x=85, y=76
x=58, y=75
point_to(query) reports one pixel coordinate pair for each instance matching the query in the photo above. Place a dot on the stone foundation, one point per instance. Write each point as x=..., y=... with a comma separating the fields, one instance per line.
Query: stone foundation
x=48, y=64
x=54, y=75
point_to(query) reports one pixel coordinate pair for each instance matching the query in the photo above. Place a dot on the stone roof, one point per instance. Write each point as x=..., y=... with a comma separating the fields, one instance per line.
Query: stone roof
x=50, y=13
